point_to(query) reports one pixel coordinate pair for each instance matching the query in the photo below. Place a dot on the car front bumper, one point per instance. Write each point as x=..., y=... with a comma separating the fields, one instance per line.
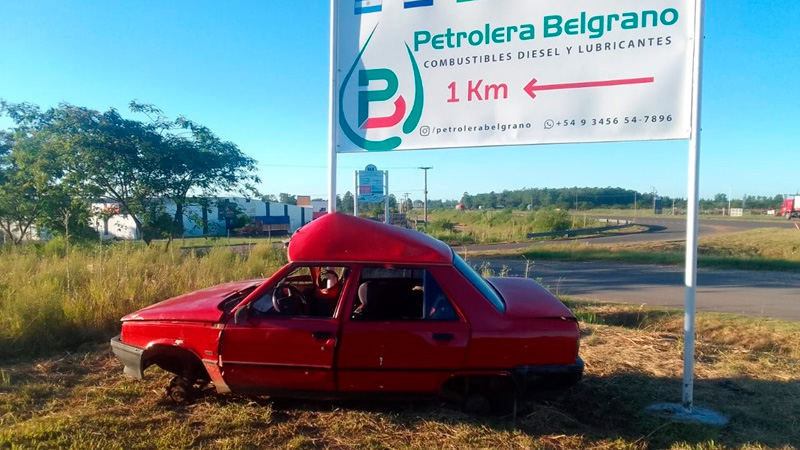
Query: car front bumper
x=130, y=356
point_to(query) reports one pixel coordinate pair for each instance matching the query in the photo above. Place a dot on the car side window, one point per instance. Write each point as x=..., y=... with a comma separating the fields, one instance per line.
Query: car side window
x=401, y=294
x=307, y=291
x=437, y=305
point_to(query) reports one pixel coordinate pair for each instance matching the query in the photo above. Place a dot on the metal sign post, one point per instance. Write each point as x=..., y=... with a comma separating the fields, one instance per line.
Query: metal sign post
x=332, y=107
x=686, y=411
x=386, y=197
x=692, y=223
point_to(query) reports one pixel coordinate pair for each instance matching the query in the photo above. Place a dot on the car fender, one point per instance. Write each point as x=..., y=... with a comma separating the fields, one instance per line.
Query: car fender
x=175, y=348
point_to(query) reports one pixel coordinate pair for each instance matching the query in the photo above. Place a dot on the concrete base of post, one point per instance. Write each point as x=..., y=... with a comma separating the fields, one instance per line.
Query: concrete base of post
x=676, y=412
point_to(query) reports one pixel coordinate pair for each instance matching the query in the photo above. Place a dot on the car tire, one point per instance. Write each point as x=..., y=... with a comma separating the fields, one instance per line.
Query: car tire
x=180, y=391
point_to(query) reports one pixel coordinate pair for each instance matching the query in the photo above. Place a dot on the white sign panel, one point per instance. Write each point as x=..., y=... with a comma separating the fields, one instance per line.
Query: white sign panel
x=415, y=74
x=370, y=185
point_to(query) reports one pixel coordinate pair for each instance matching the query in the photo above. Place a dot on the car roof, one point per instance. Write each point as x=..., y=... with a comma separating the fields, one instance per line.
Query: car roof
x=337, y=237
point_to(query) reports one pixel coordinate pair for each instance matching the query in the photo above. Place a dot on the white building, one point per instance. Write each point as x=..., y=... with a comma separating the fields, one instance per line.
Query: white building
x=212, y=220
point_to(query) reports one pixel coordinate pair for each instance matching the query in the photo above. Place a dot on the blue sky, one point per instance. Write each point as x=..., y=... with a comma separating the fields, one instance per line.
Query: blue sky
x=256, y=74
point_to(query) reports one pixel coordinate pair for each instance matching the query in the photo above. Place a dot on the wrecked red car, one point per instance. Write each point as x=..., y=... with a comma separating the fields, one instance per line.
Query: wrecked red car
x=361, y=308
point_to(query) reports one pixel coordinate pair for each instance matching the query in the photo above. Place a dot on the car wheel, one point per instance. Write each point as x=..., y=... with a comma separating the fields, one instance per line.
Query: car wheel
x=180, y=390
x=787, y=215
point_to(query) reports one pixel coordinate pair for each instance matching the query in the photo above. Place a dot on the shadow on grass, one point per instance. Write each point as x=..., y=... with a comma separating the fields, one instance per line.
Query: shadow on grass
x=598, y=411
x=606, y=407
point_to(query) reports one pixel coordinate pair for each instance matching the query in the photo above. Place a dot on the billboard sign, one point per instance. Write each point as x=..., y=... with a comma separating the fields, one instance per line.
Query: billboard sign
x=370, y=185
x=420, y=74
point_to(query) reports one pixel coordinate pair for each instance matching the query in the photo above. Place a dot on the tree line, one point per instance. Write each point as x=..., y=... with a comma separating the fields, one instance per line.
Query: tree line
x=583, y=198
x=55, y=162
x=561, y=198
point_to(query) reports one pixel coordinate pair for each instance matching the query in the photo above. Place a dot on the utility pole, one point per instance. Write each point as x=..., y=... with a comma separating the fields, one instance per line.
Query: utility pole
x=425, y=192
x=730, y=189
x=405, y=202
x=355, y=197
x=655, y=194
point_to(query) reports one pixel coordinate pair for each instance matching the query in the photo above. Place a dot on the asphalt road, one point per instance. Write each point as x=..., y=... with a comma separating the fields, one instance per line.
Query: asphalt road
x=751, y=293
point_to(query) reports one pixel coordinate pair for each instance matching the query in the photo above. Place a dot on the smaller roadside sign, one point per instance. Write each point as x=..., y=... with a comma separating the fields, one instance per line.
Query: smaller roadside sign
x=370, y=185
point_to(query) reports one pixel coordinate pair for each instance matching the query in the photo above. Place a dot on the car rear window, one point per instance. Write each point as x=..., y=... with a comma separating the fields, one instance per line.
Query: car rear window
x=479, y=283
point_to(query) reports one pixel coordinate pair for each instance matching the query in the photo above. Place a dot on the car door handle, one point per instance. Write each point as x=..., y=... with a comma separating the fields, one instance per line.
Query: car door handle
x=322, y=335
x=443, y=336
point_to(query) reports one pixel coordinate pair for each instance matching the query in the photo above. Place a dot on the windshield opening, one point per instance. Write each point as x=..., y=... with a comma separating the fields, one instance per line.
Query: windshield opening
x=480, y=284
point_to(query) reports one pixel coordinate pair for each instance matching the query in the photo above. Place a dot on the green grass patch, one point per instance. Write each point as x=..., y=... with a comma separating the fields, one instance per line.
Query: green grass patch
x=495, y=226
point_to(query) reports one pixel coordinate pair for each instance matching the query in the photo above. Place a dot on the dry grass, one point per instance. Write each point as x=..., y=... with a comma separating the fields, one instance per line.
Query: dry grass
x=52, y=299
x=747, y=369
x=762, y=243
x=767, y=243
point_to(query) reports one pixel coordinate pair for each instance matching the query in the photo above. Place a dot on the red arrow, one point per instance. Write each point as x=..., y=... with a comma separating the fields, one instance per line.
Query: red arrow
x=530, y=88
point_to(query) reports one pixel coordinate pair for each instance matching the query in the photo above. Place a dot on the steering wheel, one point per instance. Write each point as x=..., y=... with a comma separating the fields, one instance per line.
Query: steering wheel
x=284, y=291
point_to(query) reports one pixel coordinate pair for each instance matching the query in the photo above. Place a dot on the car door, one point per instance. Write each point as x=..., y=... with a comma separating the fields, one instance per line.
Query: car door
x=270, y=352
x=394, y=341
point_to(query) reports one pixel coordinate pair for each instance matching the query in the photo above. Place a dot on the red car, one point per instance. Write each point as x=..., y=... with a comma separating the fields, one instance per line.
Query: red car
x=361, y=308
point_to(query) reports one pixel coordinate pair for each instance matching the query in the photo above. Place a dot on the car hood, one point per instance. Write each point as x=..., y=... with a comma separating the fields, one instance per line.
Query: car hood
x=527, y=298
x=198, y=306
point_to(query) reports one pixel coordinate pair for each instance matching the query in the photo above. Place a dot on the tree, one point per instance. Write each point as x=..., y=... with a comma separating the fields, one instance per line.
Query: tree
x=135, y=164
x=346, y=205
x=283, y=197
x=6, y=142
x=32, y=190
x=467, y=200
x=109, y=156
x=67, y=215
x=195, y=159
x=20, y=201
